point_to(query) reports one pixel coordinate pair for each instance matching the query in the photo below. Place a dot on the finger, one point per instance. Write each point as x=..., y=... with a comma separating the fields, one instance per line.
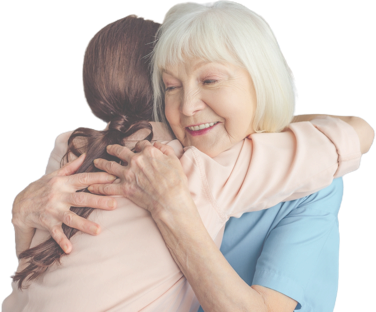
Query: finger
x=72, y=166
x=106, y=189
x=165, y=149
x=111, y=167
x=140, y=145
x=81, y=224
x=58, y=235
x=121, y=152
x=83, y=199
x=83, y=180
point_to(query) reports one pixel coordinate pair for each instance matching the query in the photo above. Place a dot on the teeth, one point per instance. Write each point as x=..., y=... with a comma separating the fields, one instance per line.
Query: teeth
x=203, y=126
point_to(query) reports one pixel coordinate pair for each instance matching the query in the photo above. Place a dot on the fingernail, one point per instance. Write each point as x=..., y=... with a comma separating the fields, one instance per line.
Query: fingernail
x=90, y=188
x=111, y=178
x=112, y=204
x=96, y=161
x=65, y=248
x=94, y=229
x=109, y=146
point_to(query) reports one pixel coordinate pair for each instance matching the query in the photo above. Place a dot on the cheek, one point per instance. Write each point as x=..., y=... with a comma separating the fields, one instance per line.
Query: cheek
x=241, y=121
x=171, y=112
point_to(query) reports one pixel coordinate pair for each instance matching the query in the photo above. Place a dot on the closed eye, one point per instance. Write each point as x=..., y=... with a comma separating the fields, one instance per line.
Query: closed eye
x=209, y=81
x=170, y=89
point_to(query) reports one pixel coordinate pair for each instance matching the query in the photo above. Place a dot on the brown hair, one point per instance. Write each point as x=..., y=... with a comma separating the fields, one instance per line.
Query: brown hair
x=117, y=85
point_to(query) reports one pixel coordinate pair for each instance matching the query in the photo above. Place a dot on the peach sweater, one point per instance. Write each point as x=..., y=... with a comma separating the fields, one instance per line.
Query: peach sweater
x=128, y=267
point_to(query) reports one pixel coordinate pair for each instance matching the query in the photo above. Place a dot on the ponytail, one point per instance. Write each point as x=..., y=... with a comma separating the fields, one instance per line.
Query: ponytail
x=41, y=257
x=118, y=89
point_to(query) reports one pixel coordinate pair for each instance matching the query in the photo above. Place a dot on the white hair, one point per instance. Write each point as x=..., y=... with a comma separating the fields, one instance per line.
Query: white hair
x=230, y=32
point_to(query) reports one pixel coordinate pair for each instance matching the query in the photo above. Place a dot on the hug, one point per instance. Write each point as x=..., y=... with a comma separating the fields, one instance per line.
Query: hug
x=203, y=193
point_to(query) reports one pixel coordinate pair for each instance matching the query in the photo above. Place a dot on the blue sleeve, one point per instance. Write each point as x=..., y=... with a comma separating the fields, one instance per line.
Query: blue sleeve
x=292, y=248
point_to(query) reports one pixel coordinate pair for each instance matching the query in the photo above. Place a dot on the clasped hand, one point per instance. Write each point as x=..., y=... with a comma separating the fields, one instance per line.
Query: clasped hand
x=153, y=178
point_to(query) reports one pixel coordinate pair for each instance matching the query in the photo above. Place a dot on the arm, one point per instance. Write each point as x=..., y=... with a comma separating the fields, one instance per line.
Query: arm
x=269, y=168
x=204, y=266
x=216, y=284
x=364, y=131
x=304, y=265
x=161, y=188
x=189, y=243
x=45, y=203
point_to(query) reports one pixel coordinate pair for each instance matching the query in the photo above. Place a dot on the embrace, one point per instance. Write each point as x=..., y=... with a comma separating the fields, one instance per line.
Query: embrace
x=203, y=193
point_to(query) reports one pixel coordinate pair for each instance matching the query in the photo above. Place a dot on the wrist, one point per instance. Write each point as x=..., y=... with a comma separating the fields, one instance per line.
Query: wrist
x=19, y=225
x=201, y=262
x=177, y=225
x=23, y=238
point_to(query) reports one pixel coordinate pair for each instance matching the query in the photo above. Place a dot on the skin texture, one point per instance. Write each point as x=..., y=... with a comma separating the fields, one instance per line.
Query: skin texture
x=155, y=181
x=199, y=92
x=45, y=204
x=195, y=93
x=177, y=222
x=161, y=188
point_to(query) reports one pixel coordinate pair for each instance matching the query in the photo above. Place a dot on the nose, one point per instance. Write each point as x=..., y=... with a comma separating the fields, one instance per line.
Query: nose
x=191, y=103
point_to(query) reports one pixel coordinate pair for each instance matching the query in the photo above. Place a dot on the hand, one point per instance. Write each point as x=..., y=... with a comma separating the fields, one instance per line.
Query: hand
x=153, y=179
x=45, y=203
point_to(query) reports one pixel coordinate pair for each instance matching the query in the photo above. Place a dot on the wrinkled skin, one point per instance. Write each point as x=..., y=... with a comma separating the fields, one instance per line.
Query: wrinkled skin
x=45, y=204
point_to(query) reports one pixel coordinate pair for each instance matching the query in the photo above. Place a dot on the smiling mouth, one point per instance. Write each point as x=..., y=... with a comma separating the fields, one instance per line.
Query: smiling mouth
x=202, y=126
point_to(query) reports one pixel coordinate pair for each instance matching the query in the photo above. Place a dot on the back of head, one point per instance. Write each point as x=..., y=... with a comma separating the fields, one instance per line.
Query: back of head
x=230, y=32
x=118, y=90
x=116, y=72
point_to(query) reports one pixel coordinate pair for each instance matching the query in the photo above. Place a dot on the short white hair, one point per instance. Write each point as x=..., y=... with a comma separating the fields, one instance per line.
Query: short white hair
x=230, y=32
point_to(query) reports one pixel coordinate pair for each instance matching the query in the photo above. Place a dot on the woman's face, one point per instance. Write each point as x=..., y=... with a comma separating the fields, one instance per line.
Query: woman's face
x=209, y=105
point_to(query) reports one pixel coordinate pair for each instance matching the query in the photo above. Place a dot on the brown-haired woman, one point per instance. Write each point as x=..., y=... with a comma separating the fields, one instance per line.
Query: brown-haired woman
x=118, y=90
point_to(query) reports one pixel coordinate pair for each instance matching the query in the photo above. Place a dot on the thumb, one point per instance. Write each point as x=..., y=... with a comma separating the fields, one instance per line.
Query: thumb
x=72, y=166
x=165, y=149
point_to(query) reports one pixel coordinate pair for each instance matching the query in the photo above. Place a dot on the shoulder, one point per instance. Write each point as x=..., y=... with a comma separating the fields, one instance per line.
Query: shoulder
x=62, y=140
x=327, y=200
x=63, y=137
x=61, y=146
x=308, y=251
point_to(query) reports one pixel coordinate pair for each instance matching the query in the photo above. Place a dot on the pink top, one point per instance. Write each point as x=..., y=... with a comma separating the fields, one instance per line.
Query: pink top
x=128, y=267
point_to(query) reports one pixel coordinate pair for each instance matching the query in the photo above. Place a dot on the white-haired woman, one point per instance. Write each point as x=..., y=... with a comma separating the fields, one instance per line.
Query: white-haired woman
x=210, y=64
x=212, y=102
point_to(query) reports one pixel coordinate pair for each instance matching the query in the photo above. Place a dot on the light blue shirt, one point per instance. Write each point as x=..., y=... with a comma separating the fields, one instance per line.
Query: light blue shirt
x=292, y=248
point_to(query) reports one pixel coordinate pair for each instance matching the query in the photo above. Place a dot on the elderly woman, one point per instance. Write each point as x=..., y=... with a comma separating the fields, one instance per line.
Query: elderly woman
x=209, y=62
x=218, y=117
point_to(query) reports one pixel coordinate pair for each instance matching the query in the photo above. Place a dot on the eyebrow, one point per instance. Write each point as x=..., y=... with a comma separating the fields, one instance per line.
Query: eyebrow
x=195, y=68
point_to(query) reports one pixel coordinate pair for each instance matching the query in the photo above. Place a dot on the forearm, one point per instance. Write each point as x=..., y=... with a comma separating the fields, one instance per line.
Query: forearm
x=23, y=234
x=309, y=117
x=161, y=187
x=23, y=238
x=364, y=131
x=217, y=286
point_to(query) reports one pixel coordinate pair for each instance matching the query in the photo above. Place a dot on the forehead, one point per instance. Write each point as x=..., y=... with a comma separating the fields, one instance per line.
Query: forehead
x=191, y=66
